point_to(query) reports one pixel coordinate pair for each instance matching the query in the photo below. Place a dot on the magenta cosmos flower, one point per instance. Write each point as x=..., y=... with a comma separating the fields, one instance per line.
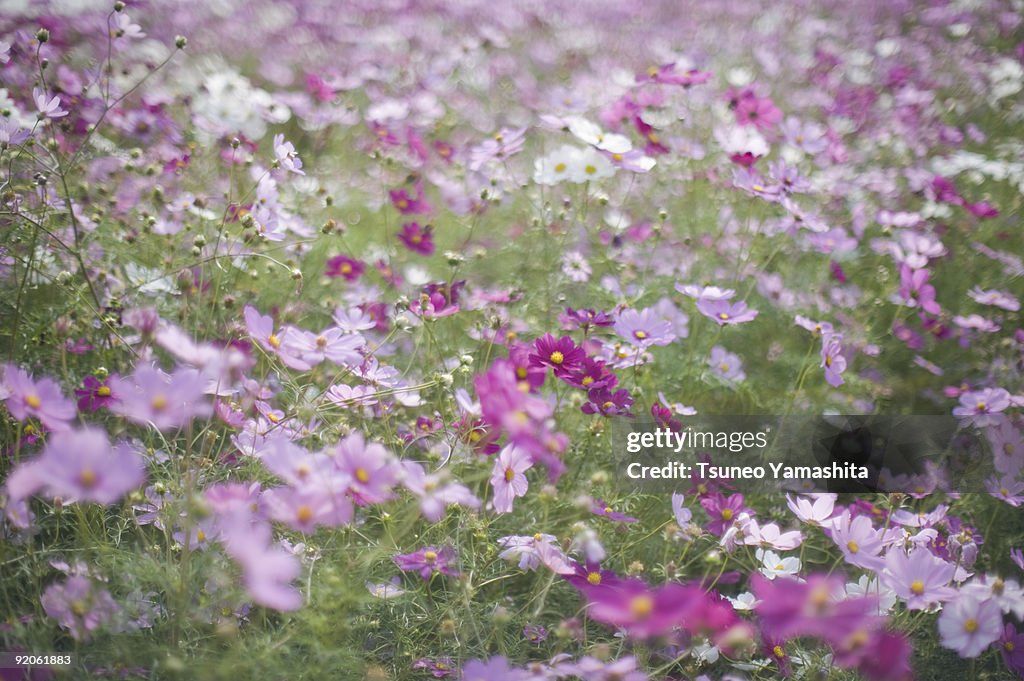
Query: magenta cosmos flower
x=428, y=561
x=80, y=465
x=562, y=355
x=508, y=477
x=725, y=313
x=345, y=267
x=644, y=612
x=417, y=239
x=40, y=399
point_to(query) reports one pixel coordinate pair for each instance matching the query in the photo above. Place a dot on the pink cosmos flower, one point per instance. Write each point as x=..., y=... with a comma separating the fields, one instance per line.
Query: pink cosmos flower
x=261, y=329
x=48, y=108
x=644, y=328
x=80, y=465
x=813, y=509
x=756, y=111
x=508, y=477
x=370, y=467
x=642, y=611
x=40, y=399
x=832, y=360
x=969, y=625
x=286, y=157
x=982, y=406
x=428, y=561
x=434, y=493
x=725, y=313
x=333, y=345
x=919, y=577
x=80, y=606
x=165, y=401
x=267, y=568
x=857, y=538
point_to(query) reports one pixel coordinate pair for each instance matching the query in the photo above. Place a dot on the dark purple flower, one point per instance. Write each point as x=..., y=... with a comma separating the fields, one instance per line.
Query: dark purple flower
x=535, y=633
x=607, y=403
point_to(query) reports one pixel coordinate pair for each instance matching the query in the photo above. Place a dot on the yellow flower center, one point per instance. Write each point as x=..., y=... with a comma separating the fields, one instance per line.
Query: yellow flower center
x=346, y=268
x=509, y=475
x=608, y=405
x=521, y=372
x=159, y=403
x=587, y=380
x=617, y=157
x=971, y=625
x=853, y=546
x=757, y=187
x=321, y=342
x=362, y=476
x=304, y=513
x=274, y=341
x=87, y=478
x=430, y=556
x=640, y=334
x=416, y=238
x=33, y=401
x=641, y=606
x=538, y=536
x=559, y=167
x=557, y=357
x=594, y=578
x=917, y=587
x=103, y=391
x=79, y=608
x=723, y=315
x=590, y=170
x=652, y=71
x=982, y=406
x=1009, y=647
x=778, y=651
x=607, y=509
x=402, y=203
x=726, y=514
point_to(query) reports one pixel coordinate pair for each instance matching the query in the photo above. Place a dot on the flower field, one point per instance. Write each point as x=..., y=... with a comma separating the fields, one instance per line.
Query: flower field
x=346, y=340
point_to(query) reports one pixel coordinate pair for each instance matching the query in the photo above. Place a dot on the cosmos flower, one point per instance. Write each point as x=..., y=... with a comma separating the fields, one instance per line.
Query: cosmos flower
x=286, y=156
x=42, y=399
x=969, y=625
x=350, y=269
x=601, y=508
x=508, y=477
x=371, y=469
x=95, y=394
x=80, y=606
x=417, y=239
x=48, y=108
x=428, y=561
x=167, y=401
x=918, y=577
x=726, y=365
x=857, y=538
x=832, y=360
x=643, y=328
x=80, y=465
x=724, y=313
